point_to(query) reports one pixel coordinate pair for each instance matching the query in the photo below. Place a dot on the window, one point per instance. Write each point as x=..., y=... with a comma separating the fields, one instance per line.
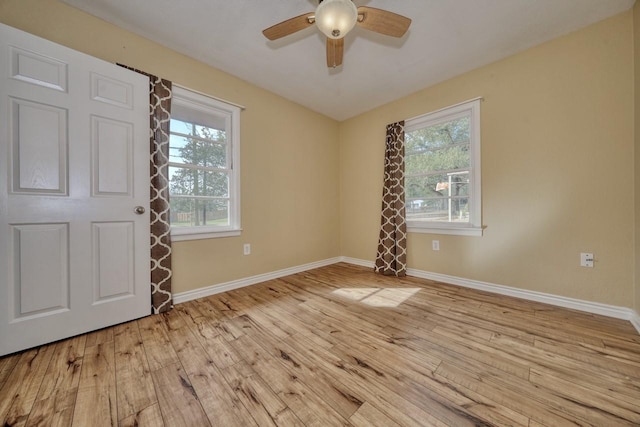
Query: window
x=204, y=158
x=442, y=171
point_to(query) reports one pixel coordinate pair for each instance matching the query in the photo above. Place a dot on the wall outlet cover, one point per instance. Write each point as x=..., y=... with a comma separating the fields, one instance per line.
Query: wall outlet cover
x=586, y=259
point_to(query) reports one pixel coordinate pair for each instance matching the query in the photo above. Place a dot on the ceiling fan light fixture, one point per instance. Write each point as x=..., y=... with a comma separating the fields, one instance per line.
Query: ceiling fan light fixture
x=335, y=18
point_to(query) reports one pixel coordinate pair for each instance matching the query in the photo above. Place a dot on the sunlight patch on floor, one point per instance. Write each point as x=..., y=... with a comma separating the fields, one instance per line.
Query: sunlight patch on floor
x=378, y=297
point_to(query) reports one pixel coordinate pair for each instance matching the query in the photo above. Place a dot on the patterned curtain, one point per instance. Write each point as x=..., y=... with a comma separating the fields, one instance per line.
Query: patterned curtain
x=391, y=259
x=160, y=114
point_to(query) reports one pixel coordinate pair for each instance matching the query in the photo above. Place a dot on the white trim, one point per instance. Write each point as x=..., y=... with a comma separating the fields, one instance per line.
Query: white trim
x=459, y=231
x=241, y=107
x=576, y=304
x=479, y=98
x=208, y=234
x=357, y=261
x=635, y=321
x=247, y=281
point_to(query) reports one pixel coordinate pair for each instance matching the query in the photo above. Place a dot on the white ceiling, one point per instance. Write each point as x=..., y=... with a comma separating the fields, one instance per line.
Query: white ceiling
x=446, y=38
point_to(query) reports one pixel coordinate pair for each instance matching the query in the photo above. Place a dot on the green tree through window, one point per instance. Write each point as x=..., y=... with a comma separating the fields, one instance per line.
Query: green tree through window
x=437, y=166
x=200, y=188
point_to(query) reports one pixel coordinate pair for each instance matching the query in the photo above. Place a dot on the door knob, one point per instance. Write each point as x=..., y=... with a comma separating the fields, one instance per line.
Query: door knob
x=139, y=210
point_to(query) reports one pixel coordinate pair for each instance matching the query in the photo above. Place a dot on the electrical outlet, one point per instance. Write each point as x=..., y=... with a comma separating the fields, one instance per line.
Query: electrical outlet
x=435, y=245
x=246, y=249
x=586, y=259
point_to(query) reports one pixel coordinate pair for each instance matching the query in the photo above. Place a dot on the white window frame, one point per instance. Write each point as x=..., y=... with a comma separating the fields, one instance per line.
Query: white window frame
x=198, y=101
x=474, y=226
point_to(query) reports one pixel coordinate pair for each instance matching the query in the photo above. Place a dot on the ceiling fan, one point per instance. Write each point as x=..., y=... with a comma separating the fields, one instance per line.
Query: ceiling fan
x=335, y=18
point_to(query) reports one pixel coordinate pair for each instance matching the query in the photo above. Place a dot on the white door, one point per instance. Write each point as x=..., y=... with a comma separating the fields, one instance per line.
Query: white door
x=74, y=181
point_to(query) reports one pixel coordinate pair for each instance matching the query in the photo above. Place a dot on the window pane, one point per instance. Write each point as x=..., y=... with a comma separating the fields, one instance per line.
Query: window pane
x=211, y=133
x=442, y=185
x=207, y=149
x=179, y=126
x=188, y=212
x=438, y=136
x=455, y=157
x=176, y=145
x=195, y=182
x=206, y=117
x=439, y=210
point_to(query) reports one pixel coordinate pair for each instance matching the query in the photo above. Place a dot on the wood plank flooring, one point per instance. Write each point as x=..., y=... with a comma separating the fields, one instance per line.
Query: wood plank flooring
x=336, y=346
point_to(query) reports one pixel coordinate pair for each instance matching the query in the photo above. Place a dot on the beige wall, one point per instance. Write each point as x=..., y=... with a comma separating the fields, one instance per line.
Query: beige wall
x=636, y=56
x=289, y=153
x=557, y=155
x=558, y=169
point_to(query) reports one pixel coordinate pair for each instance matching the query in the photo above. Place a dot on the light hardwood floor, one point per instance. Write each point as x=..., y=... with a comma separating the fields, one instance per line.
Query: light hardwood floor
x=337, y=345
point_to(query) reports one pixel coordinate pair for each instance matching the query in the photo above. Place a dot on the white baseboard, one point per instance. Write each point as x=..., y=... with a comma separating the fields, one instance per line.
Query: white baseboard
x=356, y=261
x=576, y=304
x=635, y=321
x=247, y=281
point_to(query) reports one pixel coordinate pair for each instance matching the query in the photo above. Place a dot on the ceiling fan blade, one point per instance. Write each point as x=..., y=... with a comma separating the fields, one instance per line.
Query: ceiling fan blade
x=289, y=26
x=335, y=51
x=383, y=21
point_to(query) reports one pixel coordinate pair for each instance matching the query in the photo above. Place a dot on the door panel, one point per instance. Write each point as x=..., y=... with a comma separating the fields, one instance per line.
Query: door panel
x=39, y=153
x=41, y=256
x=113, y=260
x=111, y=91
x=37, y=69
x=112, y=152
x=74, y=164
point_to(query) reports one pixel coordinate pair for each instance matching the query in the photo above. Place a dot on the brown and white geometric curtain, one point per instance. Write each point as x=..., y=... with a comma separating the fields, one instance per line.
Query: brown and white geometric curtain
x=391, y=259
x=160, y=102
x=160, y=115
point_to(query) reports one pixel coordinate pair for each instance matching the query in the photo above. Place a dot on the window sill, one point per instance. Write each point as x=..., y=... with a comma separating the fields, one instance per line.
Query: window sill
x=458, y=231
x=184, y=235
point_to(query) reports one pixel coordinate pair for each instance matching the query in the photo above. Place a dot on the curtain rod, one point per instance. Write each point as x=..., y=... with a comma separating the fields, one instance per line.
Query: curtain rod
x=447, y=107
